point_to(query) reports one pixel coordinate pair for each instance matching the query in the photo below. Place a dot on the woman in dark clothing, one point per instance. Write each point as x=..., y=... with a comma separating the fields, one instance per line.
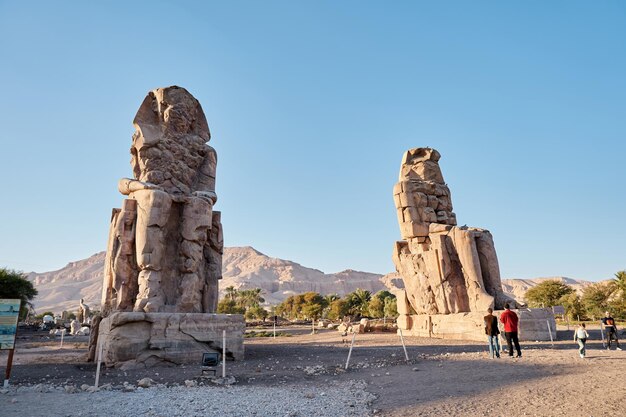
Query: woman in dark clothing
x=492, y=332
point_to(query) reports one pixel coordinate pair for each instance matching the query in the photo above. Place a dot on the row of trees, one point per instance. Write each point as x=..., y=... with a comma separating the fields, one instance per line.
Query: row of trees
x=310, y=305
x=246, y=302
x=594, y=301
x=360, y=303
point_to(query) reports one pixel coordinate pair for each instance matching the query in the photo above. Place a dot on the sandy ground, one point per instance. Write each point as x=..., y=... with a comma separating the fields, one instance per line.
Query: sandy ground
x=442, y=377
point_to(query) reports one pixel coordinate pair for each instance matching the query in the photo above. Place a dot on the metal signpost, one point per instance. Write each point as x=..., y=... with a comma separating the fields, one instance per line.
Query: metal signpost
x=275, y=318
x=9, y=314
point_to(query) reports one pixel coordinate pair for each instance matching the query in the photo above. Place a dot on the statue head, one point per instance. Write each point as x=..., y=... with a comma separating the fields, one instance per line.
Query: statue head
x=169, y=111
x=169, y=143
x=421, y=164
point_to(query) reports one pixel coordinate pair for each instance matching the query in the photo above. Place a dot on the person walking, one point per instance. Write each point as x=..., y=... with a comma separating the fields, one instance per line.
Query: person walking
x=492, y=332
x=610, y=330
x=510, y=321
x=581, y=336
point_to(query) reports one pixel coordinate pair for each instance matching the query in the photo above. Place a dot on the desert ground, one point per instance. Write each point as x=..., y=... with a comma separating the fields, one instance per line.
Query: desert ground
x=303, y=375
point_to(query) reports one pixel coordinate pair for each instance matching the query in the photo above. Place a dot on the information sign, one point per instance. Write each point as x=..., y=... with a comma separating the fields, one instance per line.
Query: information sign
x=9, y=313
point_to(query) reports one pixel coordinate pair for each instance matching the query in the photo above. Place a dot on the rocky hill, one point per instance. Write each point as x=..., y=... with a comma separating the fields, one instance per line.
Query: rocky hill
x=243, y=268
x=246, y=268
x=61, y=290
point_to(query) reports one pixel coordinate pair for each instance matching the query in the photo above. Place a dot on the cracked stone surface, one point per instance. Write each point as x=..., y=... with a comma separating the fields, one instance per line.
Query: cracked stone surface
x=451, y=274
x=148, y=339
x=165, y=246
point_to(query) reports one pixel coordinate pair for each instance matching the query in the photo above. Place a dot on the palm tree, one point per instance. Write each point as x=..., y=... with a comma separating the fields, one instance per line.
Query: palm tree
x=359, y=302
x=330, y=298
x=250, y=298
x=230, y=293
x=620, y=281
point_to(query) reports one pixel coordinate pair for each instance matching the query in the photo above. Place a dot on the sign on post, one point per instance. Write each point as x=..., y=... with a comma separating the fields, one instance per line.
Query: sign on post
x=9, y=313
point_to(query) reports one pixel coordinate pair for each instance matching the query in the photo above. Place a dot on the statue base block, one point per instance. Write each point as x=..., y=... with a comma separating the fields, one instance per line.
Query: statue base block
x=533, y=325
x=135, y=339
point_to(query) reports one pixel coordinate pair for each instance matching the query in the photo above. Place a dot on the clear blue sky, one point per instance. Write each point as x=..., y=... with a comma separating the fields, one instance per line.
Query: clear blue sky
x=311, y=105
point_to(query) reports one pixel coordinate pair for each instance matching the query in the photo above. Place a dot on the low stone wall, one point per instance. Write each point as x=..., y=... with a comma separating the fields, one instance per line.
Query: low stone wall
x=147, y=339
x=533, y=325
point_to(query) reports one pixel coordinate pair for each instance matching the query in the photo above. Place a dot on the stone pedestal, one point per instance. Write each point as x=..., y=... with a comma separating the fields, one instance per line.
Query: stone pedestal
x=147, y=339
x=533, y=325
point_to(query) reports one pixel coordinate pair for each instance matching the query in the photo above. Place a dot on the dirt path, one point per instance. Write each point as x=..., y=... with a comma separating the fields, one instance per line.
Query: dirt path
x=443, y=378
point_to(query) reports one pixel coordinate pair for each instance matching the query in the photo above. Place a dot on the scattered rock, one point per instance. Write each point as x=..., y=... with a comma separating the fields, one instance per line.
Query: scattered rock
x=145, y=382
x=314, y=370
x=70, y=389
x=40, y=388
x=229, y=380
x=128, y=387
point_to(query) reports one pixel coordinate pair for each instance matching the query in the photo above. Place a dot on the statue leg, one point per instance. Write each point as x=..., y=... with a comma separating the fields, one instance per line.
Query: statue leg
x=152, y=215
x=196, y=222
x=491, y=271
x=125, y=267
x=465, y=245
x=213, y=251
x=108, y=298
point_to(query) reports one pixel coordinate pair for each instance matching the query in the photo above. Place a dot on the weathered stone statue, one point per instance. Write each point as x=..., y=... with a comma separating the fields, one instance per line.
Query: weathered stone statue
x=160, y=257
x=74, y=327
x=164, y=253
x=446, y=269
x=83, y=312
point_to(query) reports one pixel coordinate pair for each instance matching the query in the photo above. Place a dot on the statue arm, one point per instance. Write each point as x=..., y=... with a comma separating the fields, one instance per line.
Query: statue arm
x=205, y=187
x=127, y=186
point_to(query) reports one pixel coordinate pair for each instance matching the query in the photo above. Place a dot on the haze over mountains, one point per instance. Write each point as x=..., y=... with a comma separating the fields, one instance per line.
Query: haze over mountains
x=243, y=268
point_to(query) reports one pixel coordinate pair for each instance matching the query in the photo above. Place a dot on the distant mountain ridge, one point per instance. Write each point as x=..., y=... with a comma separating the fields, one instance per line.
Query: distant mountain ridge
x=246, y=268
x=243, y=268
x=517, y=287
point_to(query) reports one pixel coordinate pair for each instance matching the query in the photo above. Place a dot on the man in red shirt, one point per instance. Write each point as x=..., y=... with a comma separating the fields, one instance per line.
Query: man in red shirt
x=510, y=320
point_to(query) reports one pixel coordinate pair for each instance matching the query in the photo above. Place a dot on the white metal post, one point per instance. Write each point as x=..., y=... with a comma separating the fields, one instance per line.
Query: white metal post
x=406, y=355
x=223, y=353
x=350, y=351
x=602, y=334
x=99, y=361
x=550, y=331
x=62, y=334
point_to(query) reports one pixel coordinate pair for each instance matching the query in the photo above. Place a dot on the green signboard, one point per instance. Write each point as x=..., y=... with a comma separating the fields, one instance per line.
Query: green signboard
x=9, y=312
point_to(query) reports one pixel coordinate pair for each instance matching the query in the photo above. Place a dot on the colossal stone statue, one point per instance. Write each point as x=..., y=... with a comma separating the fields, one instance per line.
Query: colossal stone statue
x=164, y=253
x=160, y=254
x=446, y=269
x=451, y=274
